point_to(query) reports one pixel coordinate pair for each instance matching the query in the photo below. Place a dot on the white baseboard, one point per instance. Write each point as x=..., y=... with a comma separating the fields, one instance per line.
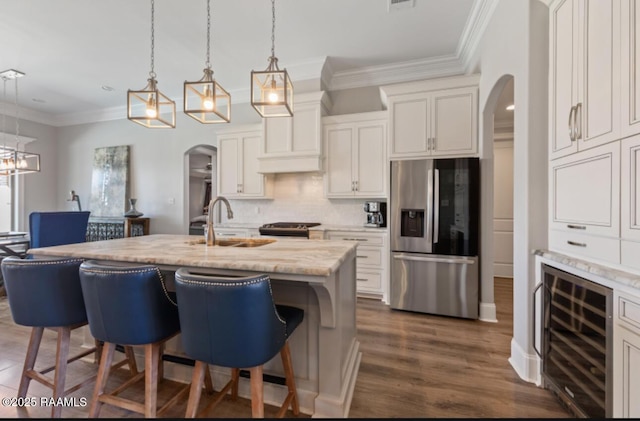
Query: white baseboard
x=527, y=366
x=488, y=312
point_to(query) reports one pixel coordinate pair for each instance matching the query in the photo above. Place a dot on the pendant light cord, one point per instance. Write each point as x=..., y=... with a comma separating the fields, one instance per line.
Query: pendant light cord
x=208, y=63
x=152, y=73
x=273, y=28
x=17, y=115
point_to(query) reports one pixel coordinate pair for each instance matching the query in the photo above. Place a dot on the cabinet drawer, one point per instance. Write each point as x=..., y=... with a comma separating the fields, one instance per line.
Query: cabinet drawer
x=629, y=252
x=368, y=239
x=368, y=281
x=589, y=246
x=369, y=256
x=231, y=232
x=629, y=311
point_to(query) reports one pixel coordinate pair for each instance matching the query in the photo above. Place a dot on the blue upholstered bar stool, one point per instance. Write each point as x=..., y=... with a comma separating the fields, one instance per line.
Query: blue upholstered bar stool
x=129, y=305
x=46, y=293
x=233, y=322
x=57, y=228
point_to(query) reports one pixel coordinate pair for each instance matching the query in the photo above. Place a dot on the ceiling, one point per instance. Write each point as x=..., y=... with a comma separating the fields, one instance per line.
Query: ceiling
x=71, y=49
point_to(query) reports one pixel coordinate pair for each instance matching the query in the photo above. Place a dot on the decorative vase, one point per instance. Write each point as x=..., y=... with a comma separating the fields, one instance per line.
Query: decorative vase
x=133, y=212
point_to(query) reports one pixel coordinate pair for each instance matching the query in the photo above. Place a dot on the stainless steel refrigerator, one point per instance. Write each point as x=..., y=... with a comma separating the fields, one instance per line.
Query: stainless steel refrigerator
x=433, y=222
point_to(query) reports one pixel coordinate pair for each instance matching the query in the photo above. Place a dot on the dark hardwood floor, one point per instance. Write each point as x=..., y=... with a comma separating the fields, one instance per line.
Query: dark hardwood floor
x=413, y=366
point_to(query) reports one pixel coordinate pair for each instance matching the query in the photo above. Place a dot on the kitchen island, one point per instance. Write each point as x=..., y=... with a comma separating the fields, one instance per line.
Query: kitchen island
x=317, y=276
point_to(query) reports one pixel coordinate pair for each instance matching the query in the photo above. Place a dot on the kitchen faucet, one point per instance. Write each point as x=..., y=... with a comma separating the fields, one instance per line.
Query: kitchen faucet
x=210, y=234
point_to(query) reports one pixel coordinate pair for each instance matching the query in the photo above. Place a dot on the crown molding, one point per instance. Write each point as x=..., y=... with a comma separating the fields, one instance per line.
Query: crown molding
x=477, y=23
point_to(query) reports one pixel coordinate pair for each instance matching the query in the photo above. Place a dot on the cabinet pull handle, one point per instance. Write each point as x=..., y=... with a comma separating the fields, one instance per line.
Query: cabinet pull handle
x=356, y=185
x=577, y=126
x=225, y=234
x=355, y=239
x=433, y=144
x=573, y=243
x=361, y=279
x=570, y=123
x=362, y=257
x=577, y=227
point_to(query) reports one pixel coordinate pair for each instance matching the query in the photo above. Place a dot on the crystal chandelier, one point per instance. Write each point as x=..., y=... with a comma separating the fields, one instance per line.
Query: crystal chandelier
x=14, y=161
x=205, y=100
x=271, y=89
x=148, y=106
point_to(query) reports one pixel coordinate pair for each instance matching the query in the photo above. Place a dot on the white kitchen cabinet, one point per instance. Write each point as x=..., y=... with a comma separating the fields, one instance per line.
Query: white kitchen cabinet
x=355, y=150
x=433, y=118
x=630, y=184
x=585, y=67
x=294, y=144
x=371, y=261
x=630, y=56
x=626, y=357
x=584, y=192
x=238, y=175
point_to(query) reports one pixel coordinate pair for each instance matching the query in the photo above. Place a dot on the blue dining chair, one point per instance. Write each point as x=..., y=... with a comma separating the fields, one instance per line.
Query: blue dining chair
x=233, y=322
x=57, y=228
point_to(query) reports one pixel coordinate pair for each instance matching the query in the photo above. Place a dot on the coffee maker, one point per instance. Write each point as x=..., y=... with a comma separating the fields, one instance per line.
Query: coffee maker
x=376, y=214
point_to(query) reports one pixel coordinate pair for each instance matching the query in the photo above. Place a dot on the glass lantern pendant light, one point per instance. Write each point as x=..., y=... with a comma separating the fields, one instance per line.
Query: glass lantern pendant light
x=271, y=89
x=148, y=106
x=15, y=161
x=205, y=100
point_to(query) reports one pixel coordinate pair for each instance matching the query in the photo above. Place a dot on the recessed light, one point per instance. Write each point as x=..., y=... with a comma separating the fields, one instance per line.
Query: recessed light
x=511, y=107
x=38, y=100
x=107, y=88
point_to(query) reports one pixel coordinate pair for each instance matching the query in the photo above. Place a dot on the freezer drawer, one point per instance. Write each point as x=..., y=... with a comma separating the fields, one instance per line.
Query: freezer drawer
x=436, y=284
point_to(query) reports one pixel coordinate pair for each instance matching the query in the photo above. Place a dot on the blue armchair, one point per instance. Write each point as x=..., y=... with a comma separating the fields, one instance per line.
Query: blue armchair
x=57, y=228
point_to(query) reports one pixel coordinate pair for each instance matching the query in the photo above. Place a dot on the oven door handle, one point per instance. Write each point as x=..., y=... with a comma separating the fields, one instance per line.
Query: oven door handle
x=534, y=319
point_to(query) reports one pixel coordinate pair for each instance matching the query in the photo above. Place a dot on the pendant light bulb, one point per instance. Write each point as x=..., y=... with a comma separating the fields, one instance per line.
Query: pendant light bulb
x=151, y=111
x=273, y=94
x=207, y=101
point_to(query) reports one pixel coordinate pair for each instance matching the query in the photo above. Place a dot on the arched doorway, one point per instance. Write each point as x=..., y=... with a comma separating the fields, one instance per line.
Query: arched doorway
x=200, y=174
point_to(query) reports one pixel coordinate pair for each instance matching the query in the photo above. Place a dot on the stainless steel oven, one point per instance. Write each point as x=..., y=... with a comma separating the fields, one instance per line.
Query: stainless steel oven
x=287, y=229
x=577, y=342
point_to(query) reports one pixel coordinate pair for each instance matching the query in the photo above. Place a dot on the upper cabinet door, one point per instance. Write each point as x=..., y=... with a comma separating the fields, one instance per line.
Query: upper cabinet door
x=630, y=58
x=563, y=83
x=370, y=159
x=339, y=175
x=252, y=181
x=584, y=89
x=599, y=101
x=228, y=158
x=409, y=125
x=454, y=119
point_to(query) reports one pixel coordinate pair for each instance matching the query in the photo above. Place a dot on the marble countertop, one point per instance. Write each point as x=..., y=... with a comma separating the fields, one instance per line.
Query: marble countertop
x=622, y=277
x=289, y=256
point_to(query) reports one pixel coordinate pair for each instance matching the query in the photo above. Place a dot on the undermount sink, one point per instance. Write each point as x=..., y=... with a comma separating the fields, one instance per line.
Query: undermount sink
x=238, y=242
x=244, y=242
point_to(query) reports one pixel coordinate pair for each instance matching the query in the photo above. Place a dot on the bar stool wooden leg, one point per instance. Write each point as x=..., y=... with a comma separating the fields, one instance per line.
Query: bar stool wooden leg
x=196, y=388
x=101, y=380
x=62, y=353
x=131, y=358
x=30, y=360
x=235, y=377
x=151, y=365
x=208, y=382
x=292, y=397
x=257, y=398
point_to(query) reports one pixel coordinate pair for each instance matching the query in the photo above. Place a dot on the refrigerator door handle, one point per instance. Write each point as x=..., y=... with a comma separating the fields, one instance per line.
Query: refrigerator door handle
x=457, y=260
x=429, y=205
x=436, y=206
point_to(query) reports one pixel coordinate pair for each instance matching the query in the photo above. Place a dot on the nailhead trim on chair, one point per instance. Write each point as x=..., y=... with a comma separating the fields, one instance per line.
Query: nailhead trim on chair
x=114, y=272
x=240, y=283
x=35, y=262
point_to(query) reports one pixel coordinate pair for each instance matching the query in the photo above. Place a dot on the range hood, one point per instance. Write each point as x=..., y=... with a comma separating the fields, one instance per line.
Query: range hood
x=294, y=144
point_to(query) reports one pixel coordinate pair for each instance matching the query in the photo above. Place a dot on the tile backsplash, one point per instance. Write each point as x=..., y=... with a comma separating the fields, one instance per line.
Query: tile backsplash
x=299, y=197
